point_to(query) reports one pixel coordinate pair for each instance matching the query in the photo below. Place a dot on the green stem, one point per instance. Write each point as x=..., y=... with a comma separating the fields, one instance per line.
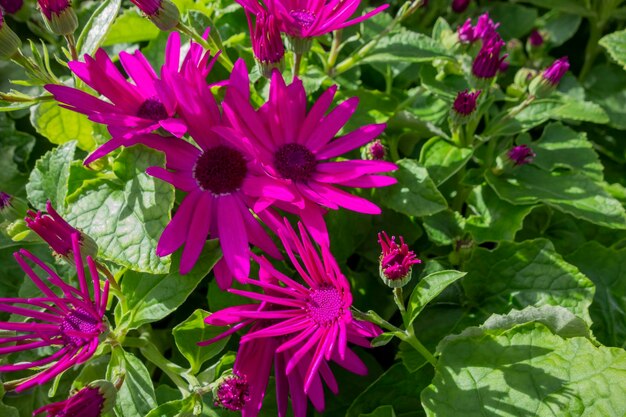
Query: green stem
x=399, y=299
x=591, y=50
x=209, y=44
x=334, y=49
x=412, y=340
x=297, y=64
x=71, y=44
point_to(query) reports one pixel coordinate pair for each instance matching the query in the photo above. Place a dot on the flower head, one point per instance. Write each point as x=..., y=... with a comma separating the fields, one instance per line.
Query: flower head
x=396, y=261
x=294, y=144
x=535, y=39
x=267, y=44
x=232, y=392
x=465, y=103
x=163, y=13
x=59, y=15
x=459, y=6
x=138, y=107
x=484, y=30
x=488, y=61
x=521, y=155
x=9, y=41
x=94, y=400
x=11, y=6
x=58, y=233
x=301, y=326
x=72, y=322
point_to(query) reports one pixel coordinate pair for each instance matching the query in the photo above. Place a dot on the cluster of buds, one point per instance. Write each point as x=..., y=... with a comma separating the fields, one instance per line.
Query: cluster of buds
x=396, y=261
x=163, y=13
x=59, y=16
x=9, y=41
x=95, y=400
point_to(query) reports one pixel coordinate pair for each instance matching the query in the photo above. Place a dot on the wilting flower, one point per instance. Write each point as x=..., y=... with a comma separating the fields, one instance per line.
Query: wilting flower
x=163, y=13
x=396, y=261
x=58, y=233
x=9, y=42
x=294, y=145
x=306, y=19
x=59, y=16
x=11, y=6
x=535, y=39
x=459, y=6
x=301, y=326
x=94, y=400
x=267, y=44
x=488, y=61
x=232, y=392
x=221, y=182
x=549, y=79
x=73, y=322
x=464, y=105
x=521, y=155
x=136, y=108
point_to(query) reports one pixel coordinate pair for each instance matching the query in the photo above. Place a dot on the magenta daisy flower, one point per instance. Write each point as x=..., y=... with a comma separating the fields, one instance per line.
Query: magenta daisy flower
x=94, y=400
x=133, y=108
x=73, y=321
x=302, y=326
x=218, y=176
x=295, y=148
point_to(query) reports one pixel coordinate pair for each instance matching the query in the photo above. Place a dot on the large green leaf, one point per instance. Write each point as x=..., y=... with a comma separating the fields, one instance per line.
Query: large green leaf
x=136, y=396
x=427, y=290
x=615, y=44
x=130, y=27
x=530, y=273
x=152, y=297
x=578, y=7
x=15, y=148
x=443, y=159
x=97, y=27
x=406, y=46
x=607, y=269
x=193, y=330
x=48, y=181
x=526, y=371
x=125, y=211
x=515, y=20
x=60, y=125
x=415, y=194
x=606, y=86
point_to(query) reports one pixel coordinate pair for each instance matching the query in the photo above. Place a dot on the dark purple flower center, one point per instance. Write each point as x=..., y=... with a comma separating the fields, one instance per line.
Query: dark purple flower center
x=325, y=305
x=233, y=393
x=220, y=170
x=152, y=109
x=303, y=17
x=295, y=162
x=79, y=327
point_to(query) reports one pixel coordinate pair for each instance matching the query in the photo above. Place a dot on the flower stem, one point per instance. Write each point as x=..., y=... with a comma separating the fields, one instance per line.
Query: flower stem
x=412, y=340
x=334, y=49
x=297, y=63
x=399, y=299
x=71, y=44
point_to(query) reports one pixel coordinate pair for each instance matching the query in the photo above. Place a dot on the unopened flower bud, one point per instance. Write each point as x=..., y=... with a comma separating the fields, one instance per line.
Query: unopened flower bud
x=396, y=261
x=9, y=41
x=535, y=39
x=94, y=400
x=59, y=16
x=549, y=79
x=487, y=63
x=163, y=13
x=267, y=44
x=459, y=6
x=232, y=392
x=374, y=151
x=464, y=106
x=12, y=208
x=521, y=155
x=11, y=6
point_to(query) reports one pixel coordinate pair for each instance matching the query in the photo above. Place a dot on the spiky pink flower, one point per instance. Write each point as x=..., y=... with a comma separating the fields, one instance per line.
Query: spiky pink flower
x=396, y=261
x=222, y=183
x=484, y=30
x=466, y=32
x=311, y=18
x=138, y=107
x=488, y=61
x=267, y=44
x=465, y=102
x=93, y=400
x=232, y=393
x=11, y=6
x=57, y=233
x=301, y=326
x=72, y=321
x=521, y=155
x=294, y=145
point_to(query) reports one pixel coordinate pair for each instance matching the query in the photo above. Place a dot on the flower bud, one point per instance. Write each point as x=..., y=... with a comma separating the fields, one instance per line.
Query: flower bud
x=549, y=79
x=232, y=392
x=94, y=400
x=59, y=16
x=459, y=6
x=396, y=261
x=12, y=208
x=374, y=151
x=11, y=6
x=488, y=61
x=267, y=44
x=9, y=41
x=521, y=155
x=464, y=106
x=163, y=13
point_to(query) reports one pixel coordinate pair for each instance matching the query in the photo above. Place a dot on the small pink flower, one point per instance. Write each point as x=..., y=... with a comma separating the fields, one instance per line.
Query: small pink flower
x=72, y=322
x=396, y=261
x=488, y=61
x=94, y=400
x=232, y=393
x=465, y=102
x=484, y=30
x=521, y=155
x=556, y=71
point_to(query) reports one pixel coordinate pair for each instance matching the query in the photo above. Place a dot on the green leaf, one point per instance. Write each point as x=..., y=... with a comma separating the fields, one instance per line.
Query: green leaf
x=97, y=27
x=526, y=371
x=176, y=408
x=530, y=273
x=150, y=298
x=15, y=149
x=92, y=370
x=382, y=411
x=60, y=125
x=136, y=396
x=444, y=228
x=48, y=181
x=131, y=27
x=415, y=194
x=494, y=219
x=443, y=159
x=193, y=330
x=427, y=290
x=615, y=44
x=396, y=387
x=382, y=339
x=577, y=7
x=606, y=86
x=579, y=111
x=515, y=20
x=559, y=27
x=406, y=46
x=5, y=410
x=126, y=213
x=606, y=267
